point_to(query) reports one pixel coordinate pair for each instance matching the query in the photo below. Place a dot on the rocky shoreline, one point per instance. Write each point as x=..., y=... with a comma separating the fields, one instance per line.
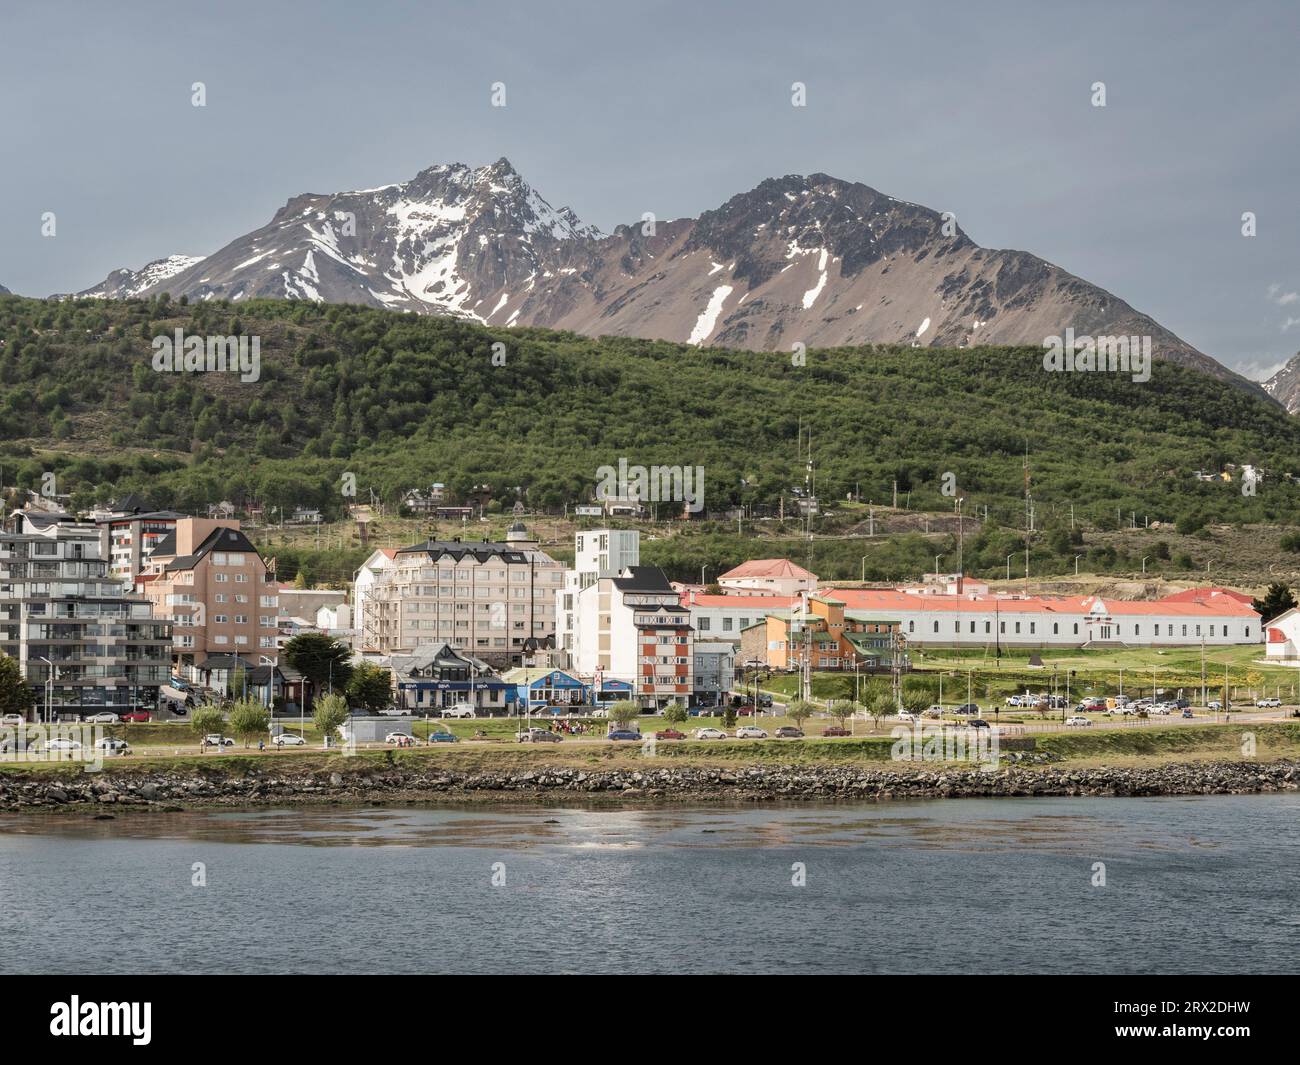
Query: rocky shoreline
x=392, y=785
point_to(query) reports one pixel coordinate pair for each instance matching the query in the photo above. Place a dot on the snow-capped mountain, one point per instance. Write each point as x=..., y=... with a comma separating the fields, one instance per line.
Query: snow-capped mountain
x=1284, y=386
x=800, y=259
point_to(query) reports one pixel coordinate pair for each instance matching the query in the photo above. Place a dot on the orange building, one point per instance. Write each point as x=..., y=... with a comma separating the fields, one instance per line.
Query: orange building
x=834, y=638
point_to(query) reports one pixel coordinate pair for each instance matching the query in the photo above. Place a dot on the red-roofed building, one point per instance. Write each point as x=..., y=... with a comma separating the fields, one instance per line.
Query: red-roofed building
x=1040, y=621
x=1191, y=595
x=723, y=617
x=768, y=576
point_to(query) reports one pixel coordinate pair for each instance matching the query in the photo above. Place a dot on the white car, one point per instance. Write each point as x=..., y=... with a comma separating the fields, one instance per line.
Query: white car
x=11, y=719
x=750, y=732
x=904, y=715
x=393, y=711
x=1214, y=704
x=1266, y=702
x=61, y=745
x=934, y=711
x=289, y=739
x=1078, y=720
x=114, y=746
x=709, y=734
x=459, y=710
x=104, y=718
x=213, y=740
x=601, y=712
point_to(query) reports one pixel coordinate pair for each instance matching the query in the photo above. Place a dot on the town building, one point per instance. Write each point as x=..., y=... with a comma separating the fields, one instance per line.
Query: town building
x=1041, y=621
x=768, y=576
x=715, y=671
x=633, y=628
x=83, y=644
x=1282, y=638
x=438, y=676
x=208, y=579
x=831, y=637
x=494, y=600
x=129, y=531
x=597, y=553
x=725, y=617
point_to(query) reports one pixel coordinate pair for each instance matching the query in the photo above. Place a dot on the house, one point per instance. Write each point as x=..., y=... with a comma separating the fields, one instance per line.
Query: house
x=418, y=502
x=305, y=516
x=1282, y=637
x=768, y=576
x=435, y=677
x=715, y=670
x=537, y=689
x=830, y=637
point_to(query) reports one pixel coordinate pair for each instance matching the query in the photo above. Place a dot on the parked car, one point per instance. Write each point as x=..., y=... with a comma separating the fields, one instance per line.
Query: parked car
x=289, y=739
x=789, y=732
x=1267, y=703
x=459, y=710
x=750, y=732
x=623, y=734
x=393, y=711
x=400, y=739
x=138, y=716
x=61, y=744
x=710, y=734
x=1187, y=712
x=601, y=712
x=443, y=737
x=537, y=735
x=670, y=734
x=904, y=715
x=934, y=711
x=1078, y=719
x=1214, y=704
x=12, y=719
x=103, y=718
x=214, y=740
x=967, y=709
x=836, y=730
x=113, y=746
x=977, y=722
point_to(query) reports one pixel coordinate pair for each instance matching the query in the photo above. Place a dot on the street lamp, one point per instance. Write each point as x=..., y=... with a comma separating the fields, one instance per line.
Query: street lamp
x=1076, y=564
x=1009, y=558
x=864, y=569
x=1144, y=562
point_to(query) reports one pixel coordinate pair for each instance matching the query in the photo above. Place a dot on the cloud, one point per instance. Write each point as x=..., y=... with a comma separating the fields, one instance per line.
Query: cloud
x=1281, y=298
x=1289, y=322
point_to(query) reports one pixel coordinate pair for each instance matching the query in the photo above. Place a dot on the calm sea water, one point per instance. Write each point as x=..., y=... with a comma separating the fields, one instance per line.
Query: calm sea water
x=1200, y=884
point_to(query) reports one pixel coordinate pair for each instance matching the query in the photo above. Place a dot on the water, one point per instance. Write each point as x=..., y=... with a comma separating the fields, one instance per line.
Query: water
x=966, y=886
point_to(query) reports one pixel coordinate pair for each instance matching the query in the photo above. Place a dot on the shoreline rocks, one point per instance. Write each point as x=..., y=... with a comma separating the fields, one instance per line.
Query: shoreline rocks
x=390, y=785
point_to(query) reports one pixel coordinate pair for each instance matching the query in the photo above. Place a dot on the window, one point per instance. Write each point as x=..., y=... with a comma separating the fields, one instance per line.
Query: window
x=1056, y=628
x=1137, y=630
x=911, y=626
x=704, y=624
x=936, y=626
x=726, y=624
x=1032, y=626
x=1017, y=628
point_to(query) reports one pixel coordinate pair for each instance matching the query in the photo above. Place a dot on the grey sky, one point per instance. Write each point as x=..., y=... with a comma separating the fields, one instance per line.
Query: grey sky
x=615, y=109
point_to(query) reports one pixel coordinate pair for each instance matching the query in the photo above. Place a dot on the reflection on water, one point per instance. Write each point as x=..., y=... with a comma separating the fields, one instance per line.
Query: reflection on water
x=999, y=885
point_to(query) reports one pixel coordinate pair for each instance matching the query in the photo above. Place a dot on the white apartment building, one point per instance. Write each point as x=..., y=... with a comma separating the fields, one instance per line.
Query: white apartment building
x=493, y=600
x=768, y=576
x=597, y=553
x=633, y=628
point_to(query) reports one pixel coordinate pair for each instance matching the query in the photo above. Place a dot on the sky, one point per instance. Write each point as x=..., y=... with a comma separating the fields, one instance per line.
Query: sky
x=616, y=108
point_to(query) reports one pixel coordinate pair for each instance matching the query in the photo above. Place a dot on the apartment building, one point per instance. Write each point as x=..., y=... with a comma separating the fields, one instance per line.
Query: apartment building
x=83, y=644
x=632, y=628
x=597, y=553
x=222, y=599
x=493, y=600
x=128, y=539
x=715, y=671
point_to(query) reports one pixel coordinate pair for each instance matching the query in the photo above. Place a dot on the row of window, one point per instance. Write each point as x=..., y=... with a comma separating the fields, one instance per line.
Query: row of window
x=1118, y=629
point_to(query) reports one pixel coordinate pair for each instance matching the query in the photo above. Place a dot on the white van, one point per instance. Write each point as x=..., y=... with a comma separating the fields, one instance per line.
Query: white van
x=459, y=710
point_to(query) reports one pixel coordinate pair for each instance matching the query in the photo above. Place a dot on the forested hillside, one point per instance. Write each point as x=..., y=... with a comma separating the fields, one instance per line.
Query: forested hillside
x=401, y=401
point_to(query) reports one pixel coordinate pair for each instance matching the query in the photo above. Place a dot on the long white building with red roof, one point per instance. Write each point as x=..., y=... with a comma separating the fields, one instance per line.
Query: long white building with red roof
x=1215, y=618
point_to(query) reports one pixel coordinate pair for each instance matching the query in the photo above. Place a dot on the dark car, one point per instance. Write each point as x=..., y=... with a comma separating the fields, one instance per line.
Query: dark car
x=624, y=734
x=789, y=732
x=967, y=708
x=977, y=722
x=836, y=730
x=670, y=734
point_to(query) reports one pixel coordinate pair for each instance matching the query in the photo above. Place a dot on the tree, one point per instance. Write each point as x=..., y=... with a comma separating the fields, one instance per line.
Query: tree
x=916, y=700
x=207, y=718
x=1277, y=600
x=370, y=687
x=328, y=714
x=321, y=659
x=623, y=713
x=16, y=696
x=881, y=706
x=799, y=711
x=675, y=714
x=249, y=719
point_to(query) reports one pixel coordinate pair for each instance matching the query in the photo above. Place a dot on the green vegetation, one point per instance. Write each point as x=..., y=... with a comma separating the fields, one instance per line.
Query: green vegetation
x=400, y=400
